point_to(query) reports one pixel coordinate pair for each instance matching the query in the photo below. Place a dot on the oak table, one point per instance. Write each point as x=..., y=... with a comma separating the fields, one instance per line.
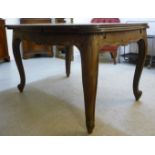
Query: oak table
x=89, y=38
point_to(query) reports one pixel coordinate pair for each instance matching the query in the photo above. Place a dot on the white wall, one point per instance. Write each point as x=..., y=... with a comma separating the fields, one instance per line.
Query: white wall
x=82, y=20
x=150, y=21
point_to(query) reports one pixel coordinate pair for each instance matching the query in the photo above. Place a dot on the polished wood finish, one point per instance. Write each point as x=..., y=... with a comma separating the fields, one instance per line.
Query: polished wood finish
x=89, y=39
x=3, y=42
x=31, y=49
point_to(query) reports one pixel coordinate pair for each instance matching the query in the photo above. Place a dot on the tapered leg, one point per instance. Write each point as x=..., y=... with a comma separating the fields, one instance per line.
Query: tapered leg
x=69, y=52
x=114, y=56
x=142, y=44
x=18, y=59
x=90, y=60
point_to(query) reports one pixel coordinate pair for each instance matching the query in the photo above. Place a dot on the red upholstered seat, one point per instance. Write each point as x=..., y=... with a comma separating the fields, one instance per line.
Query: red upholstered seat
x=105, y=20
x=108, y=48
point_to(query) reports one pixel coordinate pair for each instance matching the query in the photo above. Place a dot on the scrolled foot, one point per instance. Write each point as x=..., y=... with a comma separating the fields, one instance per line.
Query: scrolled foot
x=138, y=95
x=7, y=59
x=20, y=87
x=68, y=74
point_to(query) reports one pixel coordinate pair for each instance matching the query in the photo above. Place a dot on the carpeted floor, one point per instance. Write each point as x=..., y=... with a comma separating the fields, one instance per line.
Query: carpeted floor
x=53, y=104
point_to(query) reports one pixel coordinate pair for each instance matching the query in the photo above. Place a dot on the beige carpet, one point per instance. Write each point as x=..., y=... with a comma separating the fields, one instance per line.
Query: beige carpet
x=54, y=105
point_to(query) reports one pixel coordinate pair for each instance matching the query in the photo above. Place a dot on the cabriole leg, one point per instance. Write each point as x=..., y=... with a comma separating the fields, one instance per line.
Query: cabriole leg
x=142, y=44
x=18, y=59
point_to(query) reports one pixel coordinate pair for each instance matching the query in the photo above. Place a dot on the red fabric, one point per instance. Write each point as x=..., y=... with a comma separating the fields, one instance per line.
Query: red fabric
x=107, y=48
x=105, y=20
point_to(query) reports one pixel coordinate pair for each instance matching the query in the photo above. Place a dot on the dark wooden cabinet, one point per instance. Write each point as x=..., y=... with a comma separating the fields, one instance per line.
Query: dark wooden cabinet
x=30, y=49
x=3, y=42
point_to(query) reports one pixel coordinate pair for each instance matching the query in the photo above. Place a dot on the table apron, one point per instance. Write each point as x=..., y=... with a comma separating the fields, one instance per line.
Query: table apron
x=106, y=38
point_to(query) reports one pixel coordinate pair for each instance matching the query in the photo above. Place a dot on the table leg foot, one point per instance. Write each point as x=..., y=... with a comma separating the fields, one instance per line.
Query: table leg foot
x=20, y=87
x=68, y=59
x=90, y=127
x=138, y=94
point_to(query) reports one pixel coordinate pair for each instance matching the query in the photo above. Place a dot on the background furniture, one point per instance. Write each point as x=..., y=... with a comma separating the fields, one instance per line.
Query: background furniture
x=112, y=49
x=152, y=56
x=61, y=49
x=131, y=54
x=30, y=49
x=3, y=42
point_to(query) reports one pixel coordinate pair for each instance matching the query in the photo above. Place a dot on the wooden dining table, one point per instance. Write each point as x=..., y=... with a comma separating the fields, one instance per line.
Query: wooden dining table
x=88, y=38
